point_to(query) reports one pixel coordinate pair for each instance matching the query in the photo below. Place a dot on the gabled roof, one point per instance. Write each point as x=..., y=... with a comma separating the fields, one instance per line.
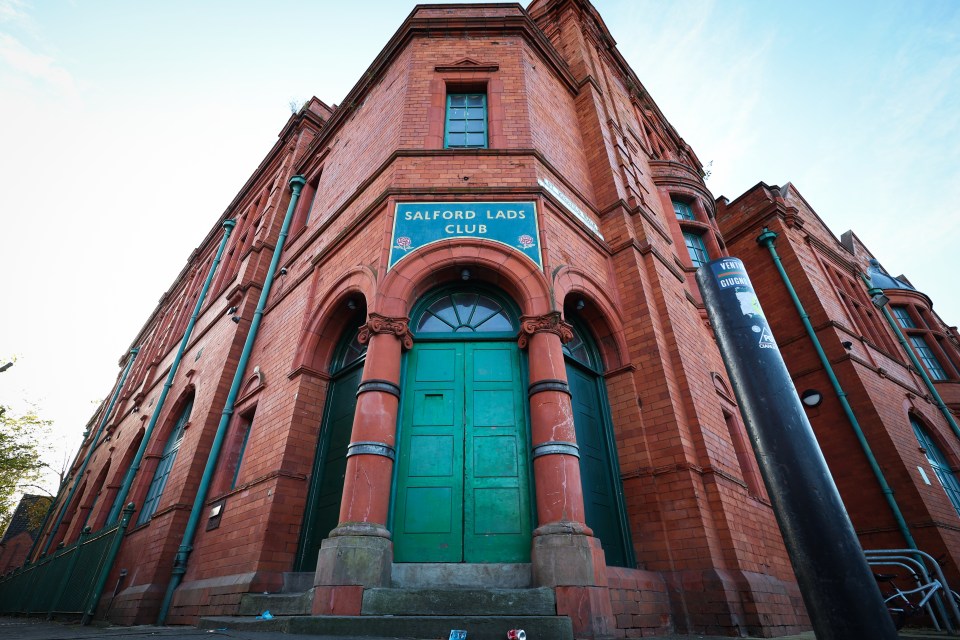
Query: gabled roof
x=21, y=520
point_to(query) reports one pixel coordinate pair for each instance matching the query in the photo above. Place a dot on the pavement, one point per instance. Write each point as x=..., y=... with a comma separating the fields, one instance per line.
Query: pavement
x=38, y=629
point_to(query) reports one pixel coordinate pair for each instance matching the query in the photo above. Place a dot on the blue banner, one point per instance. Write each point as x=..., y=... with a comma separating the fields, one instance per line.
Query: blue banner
x=417, y=224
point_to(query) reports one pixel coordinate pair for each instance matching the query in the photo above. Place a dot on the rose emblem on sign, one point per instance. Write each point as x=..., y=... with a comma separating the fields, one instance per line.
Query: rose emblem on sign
x=526, y=241
x=403, y=242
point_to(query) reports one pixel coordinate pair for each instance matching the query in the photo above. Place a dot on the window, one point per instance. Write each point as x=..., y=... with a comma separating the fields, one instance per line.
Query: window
x=163, y=467
x=245, y=425
x=466, y=122
x=926, y=356
x=683, y=210
x=696, y=248
x=903, y=317
x=465, y=313
x=938, y=461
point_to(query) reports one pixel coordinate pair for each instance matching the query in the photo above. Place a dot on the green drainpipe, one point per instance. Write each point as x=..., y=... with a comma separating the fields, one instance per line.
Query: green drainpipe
x=93, y=445
x=875, y=291
x=186, y=545
x=228, y=226
x=766, y=239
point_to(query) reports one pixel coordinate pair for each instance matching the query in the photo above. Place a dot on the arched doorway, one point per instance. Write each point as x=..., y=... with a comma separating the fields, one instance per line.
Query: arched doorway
x=330, y=462
x=599, y=468
x=462, y=490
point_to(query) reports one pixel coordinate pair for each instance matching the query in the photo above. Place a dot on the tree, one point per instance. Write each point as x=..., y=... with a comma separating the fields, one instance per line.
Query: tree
x=20, y=456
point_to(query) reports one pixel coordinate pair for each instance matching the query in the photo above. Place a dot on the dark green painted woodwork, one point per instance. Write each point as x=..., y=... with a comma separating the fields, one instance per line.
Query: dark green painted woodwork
x=329, y=468
x=599, y=495
x=462, y=486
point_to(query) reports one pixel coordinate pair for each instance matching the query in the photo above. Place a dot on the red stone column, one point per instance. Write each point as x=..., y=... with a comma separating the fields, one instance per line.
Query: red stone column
x=556, y=463
x=358, y=553
x=565, y=554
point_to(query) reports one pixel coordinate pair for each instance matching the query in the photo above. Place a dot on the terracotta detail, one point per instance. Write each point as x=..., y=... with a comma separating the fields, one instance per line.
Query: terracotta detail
x=382, y=324
x=547, y=323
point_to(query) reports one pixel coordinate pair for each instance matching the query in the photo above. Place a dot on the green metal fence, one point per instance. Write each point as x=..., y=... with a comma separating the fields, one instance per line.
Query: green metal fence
x=70, y=581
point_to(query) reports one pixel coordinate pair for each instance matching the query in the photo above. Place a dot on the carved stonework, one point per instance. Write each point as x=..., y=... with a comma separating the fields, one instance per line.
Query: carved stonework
x=547, y=323
x=383, y=324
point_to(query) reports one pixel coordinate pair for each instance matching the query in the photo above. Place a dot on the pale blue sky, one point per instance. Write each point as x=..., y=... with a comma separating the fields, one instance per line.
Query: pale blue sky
x=127, y=127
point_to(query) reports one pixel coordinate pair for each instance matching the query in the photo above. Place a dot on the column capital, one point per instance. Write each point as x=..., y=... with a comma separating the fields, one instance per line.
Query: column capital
x=377, y=323
x=547, y=323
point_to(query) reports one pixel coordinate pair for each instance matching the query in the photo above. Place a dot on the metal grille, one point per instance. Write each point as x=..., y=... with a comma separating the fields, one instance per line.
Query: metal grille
x=70, y=580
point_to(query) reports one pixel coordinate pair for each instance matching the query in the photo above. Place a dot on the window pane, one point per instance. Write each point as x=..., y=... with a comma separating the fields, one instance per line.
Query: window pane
x=466, y=303
x=696, y=249
x=464, y=312
x=682, y=210
x=497, y=322
x=938, y=461
x=466, y=121
x=903, y=316
x=431, y=323
x=928, y=358
x=443, y=309
x=350, y=353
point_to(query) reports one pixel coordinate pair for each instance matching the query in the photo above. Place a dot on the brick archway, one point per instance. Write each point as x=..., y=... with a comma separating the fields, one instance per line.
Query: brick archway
x=444, y=262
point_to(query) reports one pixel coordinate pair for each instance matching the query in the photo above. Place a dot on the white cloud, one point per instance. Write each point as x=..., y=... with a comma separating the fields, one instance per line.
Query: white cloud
x=38, y=66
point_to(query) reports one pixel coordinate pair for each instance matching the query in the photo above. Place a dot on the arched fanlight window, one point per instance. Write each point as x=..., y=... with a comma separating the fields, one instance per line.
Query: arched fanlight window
x=465, y=312
x=938, y=461
x=350, y=351
x=582, y=348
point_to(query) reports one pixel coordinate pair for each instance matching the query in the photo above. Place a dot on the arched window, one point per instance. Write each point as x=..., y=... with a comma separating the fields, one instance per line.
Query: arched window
x=163, y=467
x=938, y=462
x=580, y=349
x=465, y=312
x=350, y=351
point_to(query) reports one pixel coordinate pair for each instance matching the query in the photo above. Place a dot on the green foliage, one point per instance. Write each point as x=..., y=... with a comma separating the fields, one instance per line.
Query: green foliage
x=21, y=449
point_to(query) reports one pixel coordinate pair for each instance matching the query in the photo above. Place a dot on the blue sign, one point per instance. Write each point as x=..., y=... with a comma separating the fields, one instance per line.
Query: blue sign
x=417, y=224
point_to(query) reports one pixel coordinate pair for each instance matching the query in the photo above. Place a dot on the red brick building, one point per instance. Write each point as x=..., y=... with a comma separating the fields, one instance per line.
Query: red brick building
x=21, y=531
x=904, y=409
x=482, y=359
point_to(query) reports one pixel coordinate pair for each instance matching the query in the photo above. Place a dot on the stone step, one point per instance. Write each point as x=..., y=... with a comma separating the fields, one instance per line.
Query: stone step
x=459, y=602
x=400, y=627
x=278, y=604
x=297, y=581
x=426, y=575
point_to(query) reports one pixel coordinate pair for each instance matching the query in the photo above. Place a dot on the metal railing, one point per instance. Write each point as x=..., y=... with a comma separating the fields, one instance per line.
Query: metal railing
x=923, y=568
x=70, y=582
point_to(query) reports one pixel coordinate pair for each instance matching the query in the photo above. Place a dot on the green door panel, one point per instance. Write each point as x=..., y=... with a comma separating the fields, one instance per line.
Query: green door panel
x=462, y=486
x=596, y=465
x=496, y=514
x=429, y=525
x=330, y=467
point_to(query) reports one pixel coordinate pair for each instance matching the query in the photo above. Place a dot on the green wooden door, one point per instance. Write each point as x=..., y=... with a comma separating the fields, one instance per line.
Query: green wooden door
x=599, y=468
x=330, y=463
x=462, y=482
x=599, y=495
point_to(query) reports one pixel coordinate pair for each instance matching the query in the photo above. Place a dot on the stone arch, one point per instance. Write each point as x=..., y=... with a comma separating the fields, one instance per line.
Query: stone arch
x=946, y=445
x=157, y=444
x=324, y=327
x=600, y=313
x=125, y=461
x=444, y=262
